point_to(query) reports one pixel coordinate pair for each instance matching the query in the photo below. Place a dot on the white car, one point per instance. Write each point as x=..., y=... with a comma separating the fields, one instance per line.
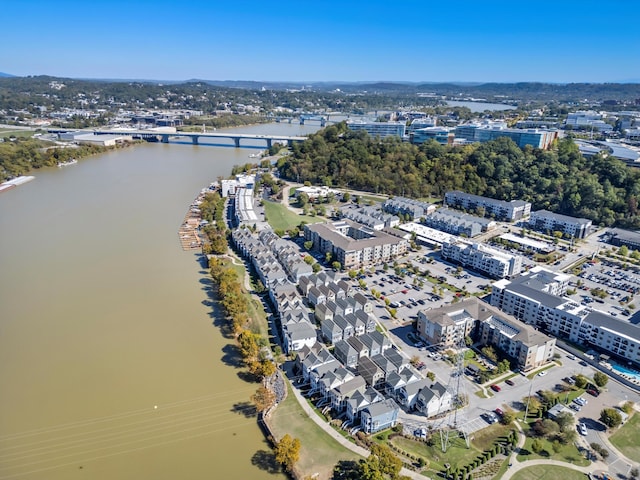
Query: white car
x=582, y=428
x=542, y=374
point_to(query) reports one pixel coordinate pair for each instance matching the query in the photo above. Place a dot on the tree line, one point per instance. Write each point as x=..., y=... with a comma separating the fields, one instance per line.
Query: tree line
x=561, y=179
x=19, y=156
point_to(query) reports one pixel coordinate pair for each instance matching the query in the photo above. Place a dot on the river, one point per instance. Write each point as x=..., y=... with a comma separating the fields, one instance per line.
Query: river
x=111, y=366
x=479, y=107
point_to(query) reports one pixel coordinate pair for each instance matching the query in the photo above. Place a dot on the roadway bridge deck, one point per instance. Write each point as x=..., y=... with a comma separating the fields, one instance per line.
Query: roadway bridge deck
x=195, y=136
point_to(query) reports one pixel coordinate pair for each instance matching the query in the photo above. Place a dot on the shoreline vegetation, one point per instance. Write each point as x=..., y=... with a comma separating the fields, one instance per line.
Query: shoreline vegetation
x=21, y=155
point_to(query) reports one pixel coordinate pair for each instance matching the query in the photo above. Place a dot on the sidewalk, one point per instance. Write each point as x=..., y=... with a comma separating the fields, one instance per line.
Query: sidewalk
x=516, y=465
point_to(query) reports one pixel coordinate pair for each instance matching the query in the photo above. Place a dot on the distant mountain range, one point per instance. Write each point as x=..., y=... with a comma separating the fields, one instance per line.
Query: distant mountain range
x=609, y=93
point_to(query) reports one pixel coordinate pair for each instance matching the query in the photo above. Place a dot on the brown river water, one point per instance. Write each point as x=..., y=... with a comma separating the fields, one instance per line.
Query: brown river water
x=111, y=366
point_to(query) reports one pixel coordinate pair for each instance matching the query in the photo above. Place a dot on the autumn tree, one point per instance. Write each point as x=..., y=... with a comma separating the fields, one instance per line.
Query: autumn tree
x=287, y=452
x=263, y=399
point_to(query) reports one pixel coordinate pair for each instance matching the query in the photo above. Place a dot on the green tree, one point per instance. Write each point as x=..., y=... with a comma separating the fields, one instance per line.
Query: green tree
x=565, y=421
x=308, y=245
x=507, y=418
x=610, y=417
x=537, y=446
x=382, y=462
x=287, y=452
x=600, y=379
x=581, y=381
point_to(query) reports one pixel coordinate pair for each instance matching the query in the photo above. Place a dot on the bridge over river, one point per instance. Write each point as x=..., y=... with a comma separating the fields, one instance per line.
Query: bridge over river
x=194, y=136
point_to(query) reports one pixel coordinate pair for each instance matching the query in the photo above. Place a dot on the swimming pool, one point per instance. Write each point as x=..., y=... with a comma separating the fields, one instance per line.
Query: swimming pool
x=626, y=371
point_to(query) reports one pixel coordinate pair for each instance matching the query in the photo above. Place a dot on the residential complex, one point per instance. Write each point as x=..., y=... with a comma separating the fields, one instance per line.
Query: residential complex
x=458, y=223
x=355, y=245
x=450, y=325
x=500, y=209
x=408, y=206
x=490, y=261
x=536, y=298
x=545, y=221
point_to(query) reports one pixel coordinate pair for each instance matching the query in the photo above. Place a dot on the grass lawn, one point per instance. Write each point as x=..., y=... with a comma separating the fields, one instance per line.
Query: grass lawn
x=568, y=453
x=281, y=218
x=319, y=452
x=627, y=438
x=457, y=454
x=548, y=472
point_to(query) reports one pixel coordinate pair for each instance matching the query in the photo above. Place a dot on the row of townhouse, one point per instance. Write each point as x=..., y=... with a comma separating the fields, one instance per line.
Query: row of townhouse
x=355, y=245
x=352, y=349
x=287, y=254
x=345, y=392
x=534, y=299
x=481, y=258
x=500, y=209
x=265, y=250
x=450, y=325
x=458, y=223
x=408, y=206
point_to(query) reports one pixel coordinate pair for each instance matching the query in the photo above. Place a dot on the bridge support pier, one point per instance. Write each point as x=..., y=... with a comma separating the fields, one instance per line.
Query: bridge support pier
x=194, y=139
x=323, y=122
x=237, y=141
x=165, y=139
x=269, y=143
x=301, y=121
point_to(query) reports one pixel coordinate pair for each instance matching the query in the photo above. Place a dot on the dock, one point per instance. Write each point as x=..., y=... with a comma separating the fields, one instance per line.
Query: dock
x=189, y=230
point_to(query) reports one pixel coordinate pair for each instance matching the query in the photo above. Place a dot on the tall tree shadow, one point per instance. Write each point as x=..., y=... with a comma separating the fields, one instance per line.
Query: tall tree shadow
x=232, y=356
x=247, y=409
x=266, y=460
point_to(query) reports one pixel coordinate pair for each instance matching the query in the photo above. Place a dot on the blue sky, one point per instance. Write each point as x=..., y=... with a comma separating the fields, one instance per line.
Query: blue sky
x=327, y=40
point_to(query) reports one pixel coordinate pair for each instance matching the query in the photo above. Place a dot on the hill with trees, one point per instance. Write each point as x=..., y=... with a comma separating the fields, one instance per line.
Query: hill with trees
x=561, y=180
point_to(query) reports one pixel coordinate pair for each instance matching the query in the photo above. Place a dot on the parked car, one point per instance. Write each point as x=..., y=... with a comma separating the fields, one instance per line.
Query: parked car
x=580, y=401
x=593, y=392
x=575, y=406
x=542, y=374
x=499, y=412
x=508, y=381
x=582, y=428
x=495, y=388
x=421, y=433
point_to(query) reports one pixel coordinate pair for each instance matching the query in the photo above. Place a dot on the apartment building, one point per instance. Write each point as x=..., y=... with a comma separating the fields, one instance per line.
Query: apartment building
x=449, y=325
x=355, y=245
x=537, y=299
x=489, y=261
x=500, y=209
x=546, y=221
x=379, y=129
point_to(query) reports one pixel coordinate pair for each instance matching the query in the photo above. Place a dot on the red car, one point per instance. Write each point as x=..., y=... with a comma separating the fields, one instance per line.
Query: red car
x=499, y=412
x=593, y=392
x=495, y=388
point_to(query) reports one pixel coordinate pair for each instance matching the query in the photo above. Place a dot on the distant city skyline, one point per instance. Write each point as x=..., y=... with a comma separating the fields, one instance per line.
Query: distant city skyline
x=566, y=41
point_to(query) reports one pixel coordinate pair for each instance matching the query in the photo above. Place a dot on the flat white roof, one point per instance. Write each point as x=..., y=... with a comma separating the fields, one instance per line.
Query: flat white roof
x=510, y=237
x=430, y=234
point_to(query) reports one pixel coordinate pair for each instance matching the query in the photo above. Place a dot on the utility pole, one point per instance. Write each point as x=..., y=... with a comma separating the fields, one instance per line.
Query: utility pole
x=526, y=411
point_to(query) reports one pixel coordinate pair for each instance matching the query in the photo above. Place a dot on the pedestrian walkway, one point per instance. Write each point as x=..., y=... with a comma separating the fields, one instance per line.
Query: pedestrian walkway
x=515, y=465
